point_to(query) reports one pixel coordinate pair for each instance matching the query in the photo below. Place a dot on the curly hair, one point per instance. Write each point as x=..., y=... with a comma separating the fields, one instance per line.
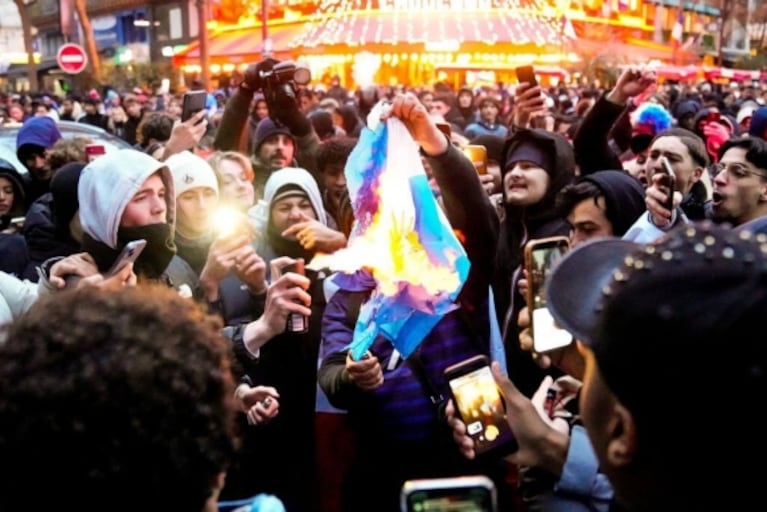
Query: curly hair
x=114, y=400
x=154, y=126
x=67, y=150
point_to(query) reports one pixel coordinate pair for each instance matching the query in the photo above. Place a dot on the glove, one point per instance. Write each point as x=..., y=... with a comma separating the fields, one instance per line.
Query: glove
x=252, y=82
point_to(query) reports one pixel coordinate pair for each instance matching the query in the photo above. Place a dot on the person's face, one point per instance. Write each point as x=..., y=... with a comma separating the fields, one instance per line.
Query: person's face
x=236, y=188
x=174, y=108
x=427, y=100
x=588, y=221
x=37, y=165
x=740, y=189
x=489, y=111
x=604, y=422
x=465, y=100
x=637, y=167
x=89, y=108
x=525, y=184
x=6, y=196
x=277, y=151
x=305, y=104
x=262, y=110
x=41, y=111
x=287, y=211
x=67, y=106
x=16, y=113
x=133, y=109
x=438, y=108
x=147, y=206
x=687, y=173
x=334, y=180
x=194, y=209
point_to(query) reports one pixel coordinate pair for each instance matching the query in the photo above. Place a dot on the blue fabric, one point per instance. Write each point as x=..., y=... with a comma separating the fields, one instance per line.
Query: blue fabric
x=40, y=131
x=581, y=486
x=406, y=316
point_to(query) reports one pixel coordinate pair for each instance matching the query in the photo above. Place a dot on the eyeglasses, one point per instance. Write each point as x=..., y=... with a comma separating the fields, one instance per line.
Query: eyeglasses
x=736, y=171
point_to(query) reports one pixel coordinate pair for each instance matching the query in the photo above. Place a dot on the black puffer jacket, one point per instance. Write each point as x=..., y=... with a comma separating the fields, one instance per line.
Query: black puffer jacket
x=45, y=238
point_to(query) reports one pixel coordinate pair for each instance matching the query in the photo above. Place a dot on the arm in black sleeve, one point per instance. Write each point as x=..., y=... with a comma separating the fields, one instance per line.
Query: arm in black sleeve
x=233, y=122
x=590, y=144
x=469, y=210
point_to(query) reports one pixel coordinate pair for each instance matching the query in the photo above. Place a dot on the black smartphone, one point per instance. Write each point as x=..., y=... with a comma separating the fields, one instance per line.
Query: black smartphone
x=541, y=256
x=475, y=493
x=667, y=181
x=526, y=74
x=129, y=254
x=479, y=404
x=194, y=101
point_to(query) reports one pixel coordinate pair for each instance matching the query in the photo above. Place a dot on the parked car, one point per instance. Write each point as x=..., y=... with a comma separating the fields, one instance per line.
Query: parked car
x=68, y=129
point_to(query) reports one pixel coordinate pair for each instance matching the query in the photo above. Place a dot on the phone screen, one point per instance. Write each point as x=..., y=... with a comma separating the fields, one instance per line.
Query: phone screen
x=481, y=408
x=194, y=101
x=478, y=156
x=526, y=74
x=474, y=499
x=542, y=258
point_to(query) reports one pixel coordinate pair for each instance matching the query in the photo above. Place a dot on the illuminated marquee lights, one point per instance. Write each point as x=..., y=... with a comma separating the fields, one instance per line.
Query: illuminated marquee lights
x=444, y=23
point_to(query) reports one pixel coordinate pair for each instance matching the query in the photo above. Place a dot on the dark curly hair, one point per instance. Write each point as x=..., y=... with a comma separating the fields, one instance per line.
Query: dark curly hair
x=117, y=401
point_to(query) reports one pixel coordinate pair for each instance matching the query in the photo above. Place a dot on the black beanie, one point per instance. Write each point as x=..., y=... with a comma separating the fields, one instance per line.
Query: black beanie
x=265, y=129
x=64, y=191
x=529, y=150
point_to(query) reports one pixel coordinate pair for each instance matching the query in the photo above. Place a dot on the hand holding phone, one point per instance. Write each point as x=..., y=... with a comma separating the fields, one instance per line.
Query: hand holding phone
x=540, y=258
x=129, y=254
x=526, y=74
x=478, y=156
x=667, y=181
x=479, y=404
x=194, y=101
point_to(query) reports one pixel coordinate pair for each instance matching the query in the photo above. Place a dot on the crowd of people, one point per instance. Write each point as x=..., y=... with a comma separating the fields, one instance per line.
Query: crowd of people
x=173, y=381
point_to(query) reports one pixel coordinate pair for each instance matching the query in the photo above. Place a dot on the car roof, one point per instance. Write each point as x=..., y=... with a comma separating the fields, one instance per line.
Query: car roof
x=68, y=129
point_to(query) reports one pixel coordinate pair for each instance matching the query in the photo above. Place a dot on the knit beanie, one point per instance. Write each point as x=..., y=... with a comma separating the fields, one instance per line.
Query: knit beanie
x=191, y=171
x=265, y=129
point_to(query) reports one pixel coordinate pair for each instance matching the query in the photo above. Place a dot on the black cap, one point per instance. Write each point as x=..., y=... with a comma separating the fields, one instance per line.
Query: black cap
x=645, y=310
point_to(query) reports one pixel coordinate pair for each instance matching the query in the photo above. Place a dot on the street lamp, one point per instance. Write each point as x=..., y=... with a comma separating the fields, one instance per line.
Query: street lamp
x=202, y=17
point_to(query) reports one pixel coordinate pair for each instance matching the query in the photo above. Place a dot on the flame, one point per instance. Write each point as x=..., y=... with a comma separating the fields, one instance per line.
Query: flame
x=391, y=248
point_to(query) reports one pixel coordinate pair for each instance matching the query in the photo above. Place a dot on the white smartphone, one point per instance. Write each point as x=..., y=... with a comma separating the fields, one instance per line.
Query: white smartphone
x=129, y=254
x=540, y=258
x=475, y=493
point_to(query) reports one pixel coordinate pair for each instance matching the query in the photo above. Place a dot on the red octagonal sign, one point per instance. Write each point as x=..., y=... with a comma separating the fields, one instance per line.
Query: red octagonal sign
x=71, y=58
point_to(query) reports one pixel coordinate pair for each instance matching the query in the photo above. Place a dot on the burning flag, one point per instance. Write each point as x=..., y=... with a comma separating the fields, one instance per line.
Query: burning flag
x=401, y=237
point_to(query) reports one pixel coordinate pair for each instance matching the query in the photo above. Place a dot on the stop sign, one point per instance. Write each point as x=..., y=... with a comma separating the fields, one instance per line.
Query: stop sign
x=71, y=58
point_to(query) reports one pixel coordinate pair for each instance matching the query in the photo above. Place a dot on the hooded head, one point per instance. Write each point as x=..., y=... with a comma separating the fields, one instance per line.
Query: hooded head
x=107, y=186
x=35, y=136
x=9, y=208
x=64, y=190
x=282, y=184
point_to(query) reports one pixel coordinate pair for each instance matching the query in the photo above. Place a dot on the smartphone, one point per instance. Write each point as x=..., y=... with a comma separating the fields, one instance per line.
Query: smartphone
x=668, y=182
x=475, y=493
x=445, y=128
x=93, y=151
x=478, y=402
x=541, y=256
x=129, y=254
x=526, y=74
x=478, y=156
x=194, y=101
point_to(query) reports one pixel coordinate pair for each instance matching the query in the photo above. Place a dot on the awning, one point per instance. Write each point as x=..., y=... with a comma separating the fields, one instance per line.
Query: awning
x=238, y=45
x=448, y=30
x=632, y=51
